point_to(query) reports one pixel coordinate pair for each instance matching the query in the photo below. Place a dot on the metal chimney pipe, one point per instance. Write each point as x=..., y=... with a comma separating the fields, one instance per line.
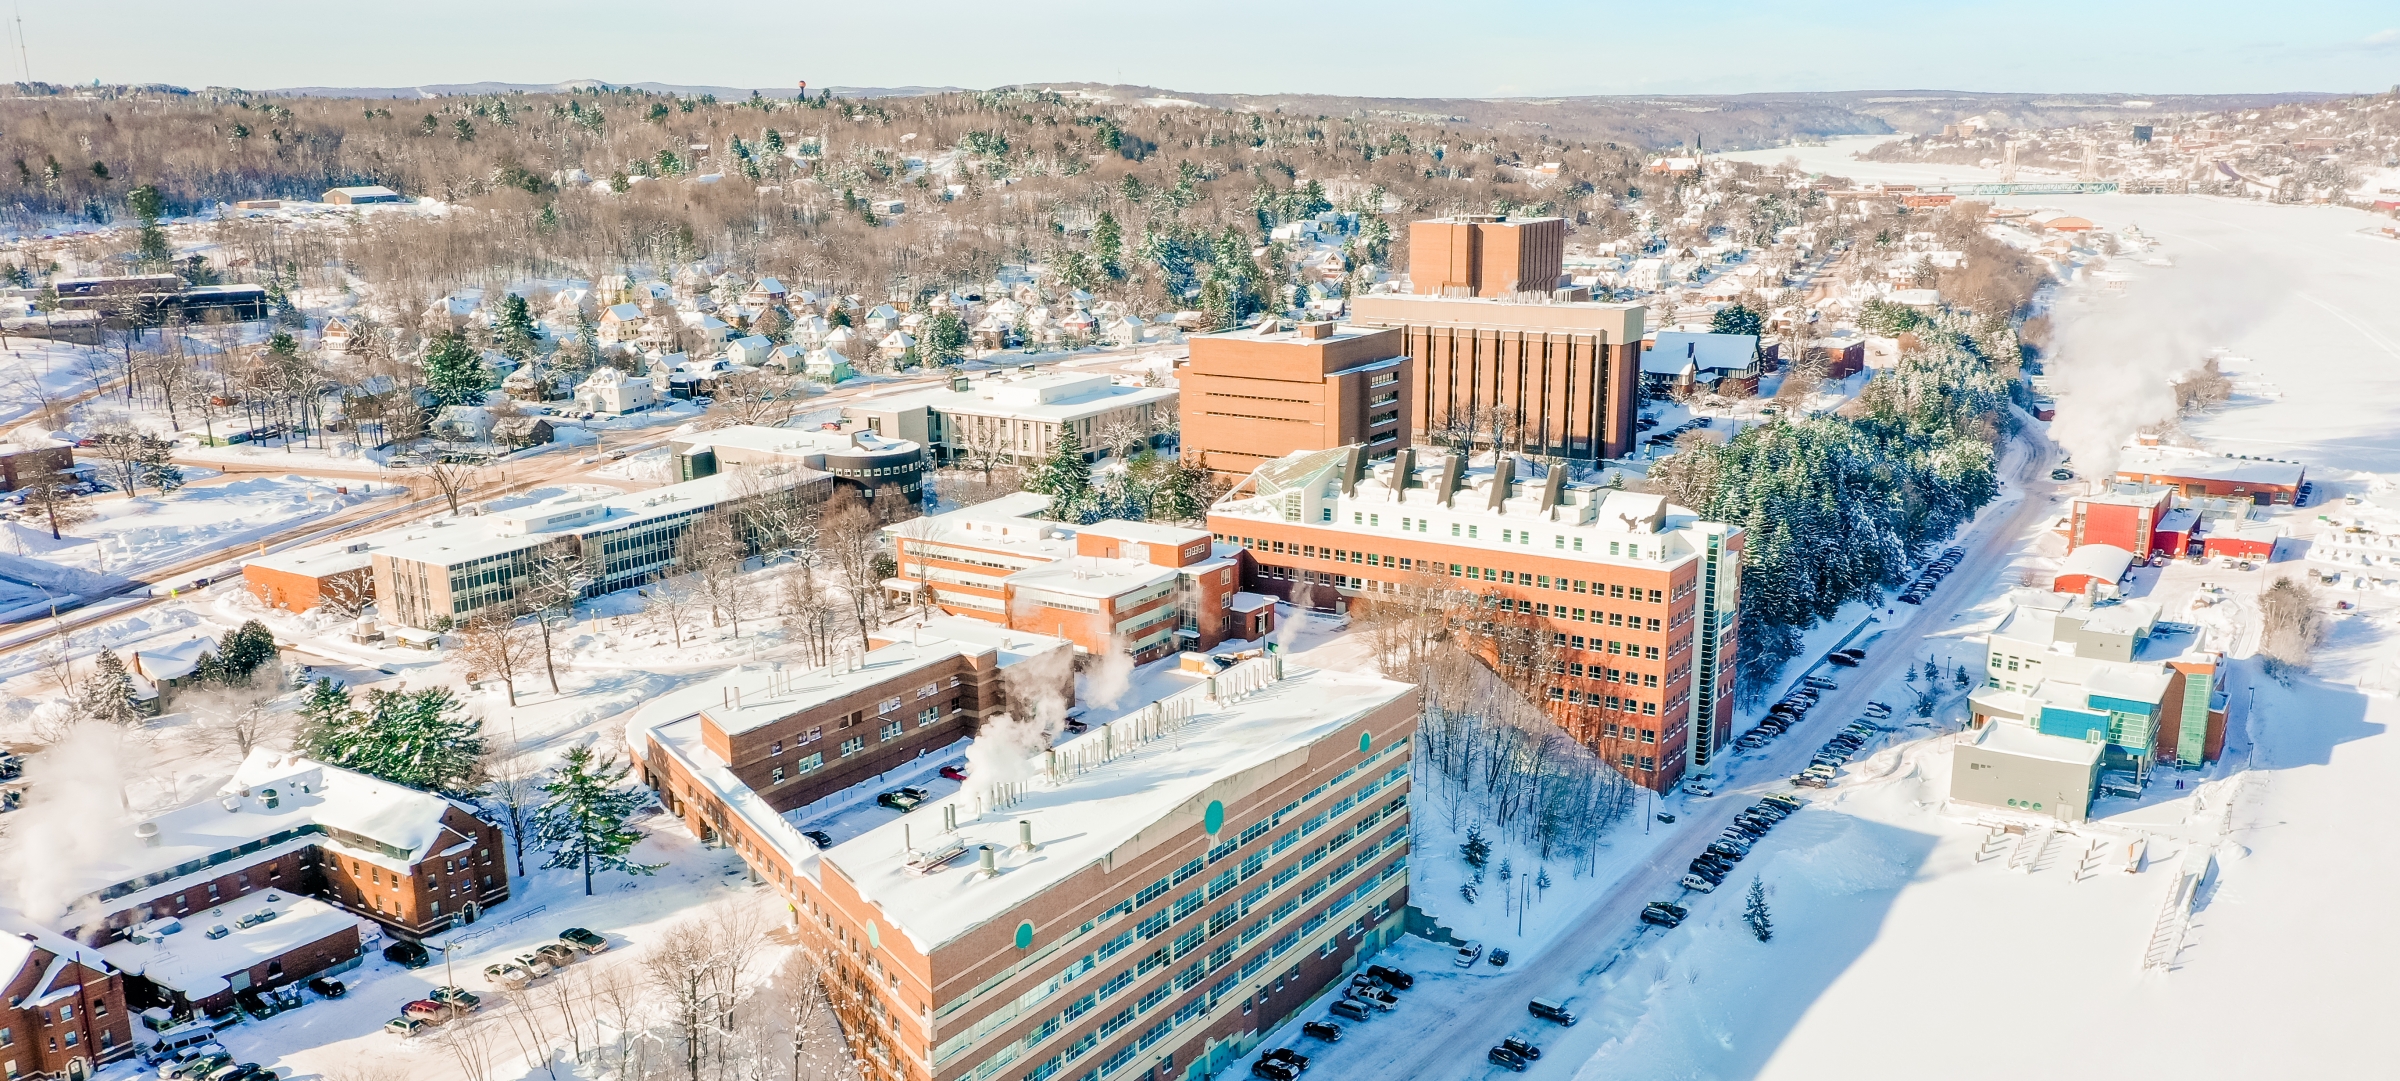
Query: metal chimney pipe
x=988, y=863
x=1025, y=835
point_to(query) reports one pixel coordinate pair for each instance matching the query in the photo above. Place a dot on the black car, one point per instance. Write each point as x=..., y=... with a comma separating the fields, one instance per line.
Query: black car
x=902, y=799
x=1912, y=598
x=1272, y=1071
x=1501, y=1056
x=1662, y=914
x=407, y=954
x=1288, y=1057
x=1323, y=1030
x=1846, y=662
x=1392, y=976
x=1497, y=958
x=1854, y=653
x=1524, y=1050
x=256, y=1004
x=328, y=987
x=819, y=838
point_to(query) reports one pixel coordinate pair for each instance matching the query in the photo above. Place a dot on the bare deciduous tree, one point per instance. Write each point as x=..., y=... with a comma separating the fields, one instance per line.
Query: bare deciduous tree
x=2290, y=626
x=494, y=643
x=452, y=479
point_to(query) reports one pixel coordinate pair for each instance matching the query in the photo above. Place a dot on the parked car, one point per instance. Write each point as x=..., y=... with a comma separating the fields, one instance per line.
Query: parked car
x=1523, y=1049
x=328, y=987
x=583, y=939
x=1383, y=1002
x=407, y=954
x=1393, y=976
x=405, y=1026
x=559, y=954
x=430, y=1011
x=1810, y=780
x=903, y=800
x=1854, y=653
x=1288, y=1057
x=1664, y=914
x=1323, y=1030
x=193, y=1067
x=1698, y=789
x=1348, y=1009
x=456, y=996
x=256, y=1004
x=1469, y=954
x=1788, y=803
x=512, y=976
x=1498, y=958
x=1272, y=1071
x=954, y=773
x=819, y=838
x=1371, y=991
x=1550, y=1009
x=1501, y=1056
x=2062, y=474
x=1841, y=660
x=533, y=963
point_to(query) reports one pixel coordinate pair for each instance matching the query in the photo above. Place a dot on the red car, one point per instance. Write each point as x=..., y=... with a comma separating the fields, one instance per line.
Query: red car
x=955, y=773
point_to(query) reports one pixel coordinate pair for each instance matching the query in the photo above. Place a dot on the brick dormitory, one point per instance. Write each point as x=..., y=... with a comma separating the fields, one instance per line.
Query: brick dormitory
x=1639, y=597
x=1156, y=892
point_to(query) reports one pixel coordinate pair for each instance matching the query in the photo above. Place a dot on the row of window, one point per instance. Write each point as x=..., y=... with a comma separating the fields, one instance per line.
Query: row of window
x=1510, y=577
x=1152, y=892
x=1615, y=648
x=1191, y=975
x=1576, y=697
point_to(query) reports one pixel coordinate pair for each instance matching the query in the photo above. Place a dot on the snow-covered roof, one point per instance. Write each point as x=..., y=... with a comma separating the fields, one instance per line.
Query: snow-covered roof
x=189, y=961
x=173, y=661
x=1145, y=532
x=2104, y=561
x=2145, y=463
x=1090, y=577
x=277, y=798
x=1707, y=352
x=2024, y=742
x=1081, y=818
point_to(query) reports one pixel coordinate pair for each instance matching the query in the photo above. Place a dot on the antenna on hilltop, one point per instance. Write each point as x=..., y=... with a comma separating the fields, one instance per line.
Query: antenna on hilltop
x=23, y=58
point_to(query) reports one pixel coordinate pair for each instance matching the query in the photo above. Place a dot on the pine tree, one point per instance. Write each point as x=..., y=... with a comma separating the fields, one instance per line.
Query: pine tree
x=243, y=650
x=945, y=339
x=1064, y=476
x=1738, y=319
x=157, y=469
x=1477, y=850
x=422, y=739
x=514, y=330
x=455, y=373
x=152, y=249
x=1754, y=912
x=108, y=694
x=583, y=821
x=1108, y=244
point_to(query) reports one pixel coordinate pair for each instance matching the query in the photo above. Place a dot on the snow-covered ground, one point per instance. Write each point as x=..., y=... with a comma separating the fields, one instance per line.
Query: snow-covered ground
x=130, y=535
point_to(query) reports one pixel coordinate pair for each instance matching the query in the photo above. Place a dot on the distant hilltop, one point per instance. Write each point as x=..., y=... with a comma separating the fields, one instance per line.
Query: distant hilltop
x=722, y=93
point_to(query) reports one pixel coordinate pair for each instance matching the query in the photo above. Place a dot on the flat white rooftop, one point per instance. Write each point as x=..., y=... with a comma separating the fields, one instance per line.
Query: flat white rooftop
x=1085, y=818
x=195, y=964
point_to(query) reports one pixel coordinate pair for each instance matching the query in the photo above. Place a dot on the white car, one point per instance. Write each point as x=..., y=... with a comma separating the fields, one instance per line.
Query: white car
x=1700, y=790
x=1469, y=954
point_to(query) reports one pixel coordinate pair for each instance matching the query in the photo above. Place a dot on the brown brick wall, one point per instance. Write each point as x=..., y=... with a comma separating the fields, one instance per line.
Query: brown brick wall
x=36, y=1037
x=1564, y=373
x=296, y=592
x=1247, y=400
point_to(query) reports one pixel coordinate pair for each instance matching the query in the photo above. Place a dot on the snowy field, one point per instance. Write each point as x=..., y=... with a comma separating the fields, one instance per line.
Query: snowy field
x=132, y=535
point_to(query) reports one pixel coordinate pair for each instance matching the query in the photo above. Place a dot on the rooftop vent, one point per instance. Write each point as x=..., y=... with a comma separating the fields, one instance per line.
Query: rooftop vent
x=148, y=832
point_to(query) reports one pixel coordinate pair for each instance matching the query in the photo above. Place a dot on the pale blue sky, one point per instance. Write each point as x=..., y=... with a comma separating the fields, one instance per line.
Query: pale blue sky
x=1400, y=48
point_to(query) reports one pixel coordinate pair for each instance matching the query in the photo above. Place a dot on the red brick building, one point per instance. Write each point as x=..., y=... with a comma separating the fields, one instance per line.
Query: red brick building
x=1256, y=393
x=1499, y=348
x=1120, y=910
x=63, y=1013
x=18, y=462
x=794, y=736
x=2194, y=473
x=319, y=845
x=1638, y=597
x=1132, y=587
x=2127, y=516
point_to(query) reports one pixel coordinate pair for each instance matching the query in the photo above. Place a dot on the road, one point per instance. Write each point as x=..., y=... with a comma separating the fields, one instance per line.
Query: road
x=559, y=467
x=1612, y=928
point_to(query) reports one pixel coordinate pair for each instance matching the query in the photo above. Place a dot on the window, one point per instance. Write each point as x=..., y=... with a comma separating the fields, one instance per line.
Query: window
x=891, y=731
x=928, y=715
x=1558, y=540
x=778, y=775
x=1358, y=518
x=1471, y=531
x=1375, y=519
x=1454, y=529
x=853, y=745
x=776, y=749
x=811, y=762
x=1327, y=514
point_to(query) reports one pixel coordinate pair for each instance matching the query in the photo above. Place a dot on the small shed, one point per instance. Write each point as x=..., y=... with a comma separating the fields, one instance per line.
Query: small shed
x=362, y=194
x=2092, y=564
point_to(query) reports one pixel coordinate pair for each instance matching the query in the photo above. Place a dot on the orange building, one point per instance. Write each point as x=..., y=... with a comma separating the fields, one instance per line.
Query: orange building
x=1131, y=587
x=1485, y=255
x=1142, y=900
x=1639, y=597
x=1499, y=351
x=1264, y=391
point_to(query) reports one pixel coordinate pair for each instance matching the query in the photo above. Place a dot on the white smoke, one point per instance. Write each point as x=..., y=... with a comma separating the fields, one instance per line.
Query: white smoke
x=1004, y=747
x=75, y=818
x=2117, y=355
x=1110, y=677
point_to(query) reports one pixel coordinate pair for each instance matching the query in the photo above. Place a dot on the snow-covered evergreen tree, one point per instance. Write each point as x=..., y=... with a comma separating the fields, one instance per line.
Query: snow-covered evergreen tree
x=1754, y=911
x=582, y=823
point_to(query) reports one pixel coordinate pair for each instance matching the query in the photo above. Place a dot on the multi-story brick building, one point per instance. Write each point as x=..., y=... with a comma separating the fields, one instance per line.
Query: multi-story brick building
x=1142, y=901
x=1266, y=390
x=1501, y=352
x=1016, y=416
x=295, y=836
x=64, y=1012
x=1114, y=586
x=1637, y=597
x=792, y=736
